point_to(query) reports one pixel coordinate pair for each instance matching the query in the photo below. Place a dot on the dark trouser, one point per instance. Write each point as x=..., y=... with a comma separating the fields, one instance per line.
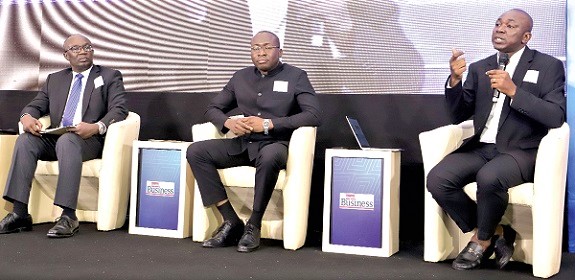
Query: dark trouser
x=205, y=157
x=494, y=173
x=69, y=149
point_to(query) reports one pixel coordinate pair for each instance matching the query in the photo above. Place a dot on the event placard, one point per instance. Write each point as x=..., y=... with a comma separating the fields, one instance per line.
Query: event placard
x=361, y=202
x=162, y=189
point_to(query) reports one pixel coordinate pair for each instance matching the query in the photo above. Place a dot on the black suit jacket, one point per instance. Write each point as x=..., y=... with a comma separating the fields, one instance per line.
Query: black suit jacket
x=103, y=101
x=537, y=105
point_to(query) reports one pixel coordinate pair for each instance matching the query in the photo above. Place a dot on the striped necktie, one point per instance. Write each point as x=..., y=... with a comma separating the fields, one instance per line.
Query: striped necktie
x=72, y=103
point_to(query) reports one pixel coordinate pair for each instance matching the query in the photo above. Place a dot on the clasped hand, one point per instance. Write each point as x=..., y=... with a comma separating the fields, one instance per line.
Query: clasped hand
x=243, y=126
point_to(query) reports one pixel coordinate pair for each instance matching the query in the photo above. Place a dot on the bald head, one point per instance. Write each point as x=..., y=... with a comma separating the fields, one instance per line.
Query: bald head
x=526, y=17
x=74, y=38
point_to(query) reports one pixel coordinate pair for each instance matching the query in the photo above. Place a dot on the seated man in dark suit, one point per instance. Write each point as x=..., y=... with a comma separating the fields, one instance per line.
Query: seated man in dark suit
x=511, y=116
x=275, y=98
x=86, y=98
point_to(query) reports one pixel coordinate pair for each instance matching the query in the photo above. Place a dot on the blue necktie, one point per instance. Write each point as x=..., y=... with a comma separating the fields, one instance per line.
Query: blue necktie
x=72, y=103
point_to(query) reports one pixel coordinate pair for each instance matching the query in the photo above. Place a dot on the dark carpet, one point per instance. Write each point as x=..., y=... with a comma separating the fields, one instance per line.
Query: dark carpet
x=92, y=254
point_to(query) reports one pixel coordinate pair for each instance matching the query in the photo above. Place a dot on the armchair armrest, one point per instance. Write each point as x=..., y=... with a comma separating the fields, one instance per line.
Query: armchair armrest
x=207, y=130
x=550, y=168
x=114, y=184
x=45, y=121
x=435, y=145
x=549, y=197
x=296, y=191
x=439, y=142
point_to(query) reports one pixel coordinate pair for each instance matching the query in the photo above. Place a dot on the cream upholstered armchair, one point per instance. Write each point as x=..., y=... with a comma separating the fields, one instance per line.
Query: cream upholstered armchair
x=535, y=209
x=287, y=213
x=7, y=143
x=105, y=183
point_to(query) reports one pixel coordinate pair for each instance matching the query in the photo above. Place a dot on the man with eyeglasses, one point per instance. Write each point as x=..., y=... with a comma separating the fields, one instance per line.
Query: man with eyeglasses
x=275, y=99
x=85, y=99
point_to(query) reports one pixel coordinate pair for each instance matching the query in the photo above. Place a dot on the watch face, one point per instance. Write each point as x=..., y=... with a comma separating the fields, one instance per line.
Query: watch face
x=266, y=125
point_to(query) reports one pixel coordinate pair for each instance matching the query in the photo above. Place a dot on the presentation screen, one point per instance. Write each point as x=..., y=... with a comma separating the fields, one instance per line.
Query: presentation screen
x=354, y=46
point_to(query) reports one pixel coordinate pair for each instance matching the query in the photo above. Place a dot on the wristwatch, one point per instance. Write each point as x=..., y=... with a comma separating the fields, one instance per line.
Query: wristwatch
x=266, y=125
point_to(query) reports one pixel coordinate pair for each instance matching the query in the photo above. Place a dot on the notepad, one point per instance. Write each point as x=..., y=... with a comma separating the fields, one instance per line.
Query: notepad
x=57, y=130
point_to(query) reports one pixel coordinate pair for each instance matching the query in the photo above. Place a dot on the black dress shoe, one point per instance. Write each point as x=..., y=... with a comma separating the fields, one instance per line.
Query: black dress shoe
x=250, y=240
x=14, y=223
x=227, y=234
x=471, y=256
x=504, y=246
x=65, y=227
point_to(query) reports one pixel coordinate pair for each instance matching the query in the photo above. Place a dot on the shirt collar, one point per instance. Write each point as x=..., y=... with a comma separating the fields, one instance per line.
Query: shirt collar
x=514, y=59
x=84, y=73
x=272, y=72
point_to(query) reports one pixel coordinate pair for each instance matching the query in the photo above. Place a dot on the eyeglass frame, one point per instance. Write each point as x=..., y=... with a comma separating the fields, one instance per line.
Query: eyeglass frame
x=266, y=48
x=86, y=48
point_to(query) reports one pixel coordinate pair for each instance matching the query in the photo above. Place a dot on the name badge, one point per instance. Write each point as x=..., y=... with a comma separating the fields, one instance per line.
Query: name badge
x=281, y=86
x=531, y=76
x=98, y=82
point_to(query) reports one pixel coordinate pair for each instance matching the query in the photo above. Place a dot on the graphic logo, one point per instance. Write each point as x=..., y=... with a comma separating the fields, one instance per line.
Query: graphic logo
x=356, y=201
x=158, y=188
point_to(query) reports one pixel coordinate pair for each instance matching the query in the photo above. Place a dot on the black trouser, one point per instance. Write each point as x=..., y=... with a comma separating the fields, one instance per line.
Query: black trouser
x=205, y=157
x=494, y=173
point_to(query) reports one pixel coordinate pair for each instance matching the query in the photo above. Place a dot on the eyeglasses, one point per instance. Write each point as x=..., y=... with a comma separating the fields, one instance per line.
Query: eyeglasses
x=265, y=48
x=77, y=49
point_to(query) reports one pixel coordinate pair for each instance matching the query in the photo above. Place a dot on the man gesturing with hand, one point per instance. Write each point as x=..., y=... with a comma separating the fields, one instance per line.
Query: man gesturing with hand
x=508, y=130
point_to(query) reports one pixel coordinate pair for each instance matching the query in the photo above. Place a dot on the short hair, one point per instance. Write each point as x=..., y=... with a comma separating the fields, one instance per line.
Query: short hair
x=271, y=33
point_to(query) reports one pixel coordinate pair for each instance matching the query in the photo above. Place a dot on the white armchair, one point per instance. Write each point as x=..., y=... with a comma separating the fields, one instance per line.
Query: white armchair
x=105, y=183
x=7, y=143
x=535, y=209
x=287, y=213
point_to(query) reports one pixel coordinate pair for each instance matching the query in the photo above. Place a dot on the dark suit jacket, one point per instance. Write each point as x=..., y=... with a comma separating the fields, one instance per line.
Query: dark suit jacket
x=105, y=103
x=536, y=107
x=253, y=95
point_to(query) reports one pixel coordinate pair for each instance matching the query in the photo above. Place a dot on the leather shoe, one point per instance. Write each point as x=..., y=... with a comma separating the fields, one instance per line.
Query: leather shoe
x=250, y=240
x=504, y=246
x=471, y=256
x=14, y=223
x=227, y=234
x=65, y=227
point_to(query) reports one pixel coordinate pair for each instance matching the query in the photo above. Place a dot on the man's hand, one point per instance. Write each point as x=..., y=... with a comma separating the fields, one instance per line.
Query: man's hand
x=501, y=81
x=238, y=126
x=457, y=65
x=85, y=130
x=31, y=124
x=257, y=123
